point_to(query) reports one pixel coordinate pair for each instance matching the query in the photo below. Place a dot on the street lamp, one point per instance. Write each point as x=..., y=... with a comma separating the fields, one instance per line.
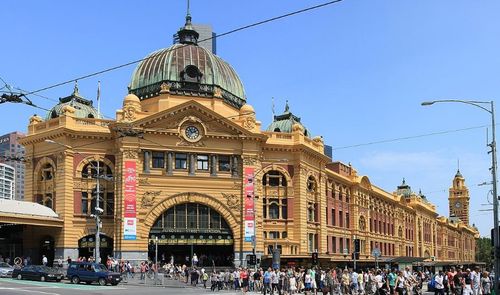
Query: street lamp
x=98, y=211
x=492, y=145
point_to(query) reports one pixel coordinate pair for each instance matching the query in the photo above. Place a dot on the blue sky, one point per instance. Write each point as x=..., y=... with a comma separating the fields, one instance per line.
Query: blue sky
x=355, y=72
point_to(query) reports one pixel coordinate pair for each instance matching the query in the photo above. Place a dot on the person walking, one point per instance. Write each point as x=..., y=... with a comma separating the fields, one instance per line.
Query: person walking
x=44, y=260
x=485, y=284
x=439, y=283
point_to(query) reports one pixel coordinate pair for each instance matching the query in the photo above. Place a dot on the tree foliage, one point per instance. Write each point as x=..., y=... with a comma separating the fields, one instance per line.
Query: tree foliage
x=483, y=250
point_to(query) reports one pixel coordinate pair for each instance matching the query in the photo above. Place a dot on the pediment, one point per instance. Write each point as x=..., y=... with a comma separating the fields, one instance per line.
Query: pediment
x=212, y=124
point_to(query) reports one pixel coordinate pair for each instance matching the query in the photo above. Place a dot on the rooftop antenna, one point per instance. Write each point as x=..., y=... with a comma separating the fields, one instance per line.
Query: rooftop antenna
x=188, y=14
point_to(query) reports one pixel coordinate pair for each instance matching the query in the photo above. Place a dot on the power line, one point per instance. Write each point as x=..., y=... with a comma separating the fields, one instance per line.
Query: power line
x=409, y=137
x=184, y=45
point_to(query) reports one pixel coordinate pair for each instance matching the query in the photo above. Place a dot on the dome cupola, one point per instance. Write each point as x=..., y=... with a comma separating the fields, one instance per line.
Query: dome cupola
x=286, y=121
x=187, y=69
x=82, y=107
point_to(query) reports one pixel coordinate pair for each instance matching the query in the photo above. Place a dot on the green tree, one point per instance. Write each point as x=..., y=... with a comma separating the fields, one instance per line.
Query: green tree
x=483, y=250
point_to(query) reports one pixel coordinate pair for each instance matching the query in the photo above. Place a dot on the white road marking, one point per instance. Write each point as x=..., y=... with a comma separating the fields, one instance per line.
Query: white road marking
x=28, y=291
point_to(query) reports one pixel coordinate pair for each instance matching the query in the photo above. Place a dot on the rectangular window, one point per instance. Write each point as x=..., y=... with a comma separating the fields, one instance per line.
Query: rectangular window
x=110, y=203
x=341, y=218
x=192, y=216
x=310, y=242
x=274, y=235
x=158, y=160
x=203, y=216
x=348, y=245
x=85, y=203
x=341, y=245
x=180, y=216
x=334, y=244
x=224, y=163
x=284, y=210
x=202, y=162
x=347, y=219
x=333, y=217
x=180, y=161
x=264, y=208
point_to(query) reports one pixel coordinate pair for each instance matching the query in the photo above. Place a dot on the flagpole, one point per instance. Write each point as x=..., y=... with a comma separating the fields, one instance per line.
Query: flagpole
x=98, y=99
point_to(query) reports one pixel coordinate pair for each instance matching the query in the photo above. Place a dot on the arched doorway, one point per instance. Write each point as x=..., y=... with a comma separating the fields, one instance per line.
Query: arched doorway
x=192, y=228
x=86, y=247
x=47, y=249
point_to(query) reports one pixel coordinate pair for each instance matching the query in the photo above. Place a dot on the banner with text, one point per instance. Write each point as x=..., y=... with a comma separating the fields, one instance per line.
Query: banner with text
x=130, y=208
x=249, y=210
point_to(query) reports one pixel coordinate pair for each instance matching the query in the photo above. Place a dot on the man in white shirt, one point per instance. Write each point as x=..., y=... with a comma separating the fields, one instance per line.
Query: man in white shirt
x=439, y=283
x=45, y=261
x=475, y=281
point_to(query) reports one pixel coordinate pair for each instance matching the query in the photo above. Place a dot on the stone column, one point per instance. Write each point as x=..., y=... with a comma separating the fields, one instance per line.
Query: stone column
x=170, y=157
x=213, y=165
x=147, y=157
x=235, y=166
x=192, y=161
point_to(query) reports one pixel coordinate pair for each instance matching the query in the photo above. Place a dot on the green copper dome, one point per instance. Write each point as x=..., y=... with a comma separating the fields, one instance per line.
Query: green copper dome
x=285, y=121
x=83, y=107
x=187, y=69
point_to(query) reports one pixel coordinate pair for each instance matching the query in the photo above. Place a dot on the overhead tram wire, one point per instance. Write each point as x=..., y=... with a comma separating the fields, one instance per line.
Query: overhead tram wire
x=184, y=45
x=409, y=137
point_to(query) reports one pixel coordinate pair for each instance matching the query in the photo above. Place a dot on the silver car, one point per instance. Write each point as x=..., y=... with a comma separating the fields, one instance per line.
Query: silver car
x=6, y=270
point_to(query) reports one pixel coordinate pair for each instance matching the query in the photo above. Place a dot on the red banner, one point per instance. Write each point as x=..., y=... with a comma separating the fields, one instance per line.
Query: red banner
x=249, y=210
x=130, y=189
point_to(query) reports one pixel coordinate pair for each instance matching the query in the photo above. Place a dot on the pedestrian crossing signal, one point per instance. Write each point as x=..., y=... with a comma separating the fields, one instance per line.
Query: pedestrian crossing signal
x=315, y=258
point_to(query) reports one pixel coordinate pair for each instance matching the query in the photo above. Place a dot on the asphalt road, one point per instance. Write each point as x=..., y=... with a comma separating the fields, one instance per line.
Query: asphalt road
x=15, y=287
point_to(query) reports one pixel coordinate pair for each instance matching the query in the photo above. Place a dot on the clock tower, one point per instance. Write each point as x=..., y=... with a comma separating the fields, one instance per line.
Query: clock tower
x=459, y=198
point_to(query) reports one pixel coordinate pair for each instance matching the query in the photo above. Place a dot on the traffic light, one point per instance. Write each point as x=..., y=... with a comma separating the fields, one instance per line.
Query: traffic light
x=357, y=245
x=315, y=258
x=252, y=259
x=497, y=252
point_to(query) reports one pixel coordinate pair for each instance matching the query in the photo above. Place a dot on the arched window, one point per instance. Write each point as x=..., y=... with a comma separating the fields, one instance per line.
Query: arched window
x=91, y=198
x=274, y=178
x=274, y=189
x=311, y=184
x=46, y=186
x=274, y=210
x=277, y=129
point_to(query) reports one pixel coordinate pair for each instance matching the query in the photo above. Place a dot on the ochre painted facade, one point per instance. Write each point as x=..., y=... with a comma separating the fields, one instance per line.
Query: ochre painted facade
x=327, y=204
x=191, y=135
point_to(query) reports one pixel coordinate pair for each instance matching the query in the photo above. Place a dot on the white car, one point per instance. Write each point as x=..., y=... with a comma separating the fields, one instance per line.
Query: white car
x=6, y=270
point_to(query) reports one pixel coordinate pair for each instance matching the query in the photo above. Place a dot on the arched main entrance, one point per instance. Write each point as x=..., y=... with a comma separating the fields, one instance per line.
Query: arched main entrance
x=192, y=228
x=86, y=247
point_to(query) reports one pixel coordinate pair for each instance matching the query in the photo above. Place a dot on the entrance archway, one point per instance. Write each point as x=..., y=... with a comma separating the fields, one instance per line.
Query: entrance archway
x=86, y=247
x=192, y=228
x=47, y=249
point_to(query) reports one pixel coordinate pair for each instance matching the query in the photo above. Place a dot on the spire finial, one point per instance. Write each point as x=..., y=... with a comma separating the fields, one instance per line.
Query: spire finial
x=75, y=90
x=287, y=108
x=188, y=15
x=404, y=181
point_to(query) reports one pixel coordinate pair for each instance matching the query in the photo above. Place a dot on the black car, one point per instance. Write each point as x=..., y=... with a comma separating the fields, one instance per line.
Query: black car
x=38, y=272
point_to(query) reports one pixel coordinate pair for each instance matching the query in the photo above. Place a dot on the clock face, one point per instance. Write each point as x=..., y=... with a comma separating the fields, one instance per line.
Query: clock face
x=458, y=205
x=192, y=132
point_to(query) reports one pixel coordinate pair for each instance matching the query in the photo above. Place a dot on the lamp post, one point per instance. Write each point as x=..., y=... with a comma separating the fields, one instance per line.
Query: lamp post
x=98, y=210
x=491, y=110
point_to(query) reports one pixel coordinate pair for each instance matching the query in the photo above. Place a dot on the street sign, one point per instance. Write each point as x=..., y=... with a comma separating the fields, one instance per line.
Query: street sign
x=376, y=252
x=346, y=251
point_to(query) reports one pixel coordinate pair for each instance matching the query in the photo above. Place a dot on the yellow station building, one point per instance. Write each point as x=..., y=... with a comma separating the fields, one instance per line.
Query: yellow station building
x=185, y=162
